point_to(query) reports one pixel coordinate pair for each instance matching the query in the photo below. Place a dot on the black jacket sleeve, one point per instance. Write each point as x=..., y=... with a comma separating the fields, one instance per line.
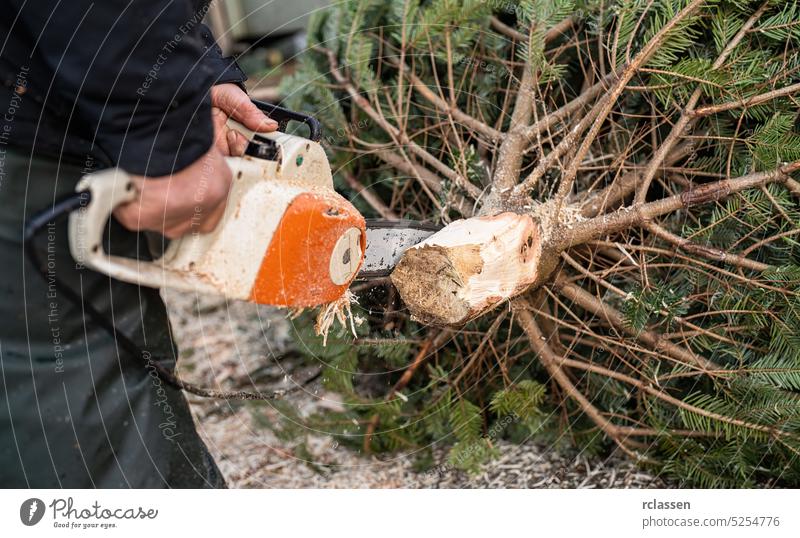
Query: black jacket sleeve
x=135, y=74
x=225, y=69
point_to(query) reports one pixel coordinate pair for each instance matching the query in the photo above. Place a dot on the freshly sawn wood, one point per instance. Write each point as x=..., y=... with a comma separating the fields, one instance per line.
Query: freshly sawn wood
x=469, y=267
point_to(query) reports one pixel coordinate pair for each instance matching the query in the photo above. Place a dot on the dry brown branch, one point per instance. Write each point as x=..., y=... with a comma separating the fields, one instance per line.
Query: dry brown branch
x=566, y=144
x=691, y=263
x=476, y=354
x=400, y=137
x=443, y=106
x=704, y=251
x=509, y=158
x=614, y=289
x=585, y=98
x=370, y=197
x=430, y=181
x=426, y=177
x=629, y=217
x=552, y=363
x=650, y=389
x=748, y=102
x=553, y=33
x=619, y=189
x=507, y=30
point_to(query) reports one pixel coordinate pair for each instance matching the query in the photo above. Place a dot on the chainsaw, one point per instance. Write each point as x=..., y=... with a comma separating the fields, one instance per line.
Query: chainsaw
x=286, y=237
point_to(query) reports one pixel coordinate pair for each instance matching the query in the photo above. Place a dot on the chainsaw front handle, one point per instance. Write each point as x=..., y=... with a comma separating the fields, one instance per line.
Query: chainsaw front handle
x=107, y=190
x=283, y=116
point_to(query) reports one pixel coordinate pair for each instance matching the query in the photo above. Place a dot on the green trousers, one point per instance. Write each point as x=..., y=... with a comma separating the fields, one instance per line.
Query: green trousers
x=76, y=410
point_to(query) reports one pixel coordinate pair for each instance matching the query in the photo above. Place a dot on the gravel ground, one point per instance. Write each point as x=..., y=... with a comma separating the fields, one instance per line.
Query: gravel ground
x=229, y=344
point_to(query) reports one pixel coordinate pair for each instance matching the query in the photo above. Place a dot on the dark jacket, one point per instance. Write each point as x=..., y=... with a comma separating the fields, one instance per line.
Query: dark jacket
x=110, y=82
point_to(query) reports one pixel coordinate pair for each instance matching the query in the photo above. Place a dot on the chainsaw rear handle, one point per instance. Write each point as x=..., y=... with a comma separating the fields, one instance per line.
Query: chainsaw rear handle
x=107, y=190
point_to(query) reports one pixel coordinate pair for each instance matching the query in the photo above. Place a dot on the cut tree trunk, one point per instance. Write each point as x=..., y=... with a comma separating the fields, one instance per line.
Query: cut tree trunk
x=469, y=267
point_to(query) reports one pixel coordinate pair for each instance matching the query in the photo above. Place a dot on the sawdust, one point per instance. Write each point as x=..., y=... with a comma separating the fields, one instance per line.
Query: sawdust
x=336, y=310
x=551, y=222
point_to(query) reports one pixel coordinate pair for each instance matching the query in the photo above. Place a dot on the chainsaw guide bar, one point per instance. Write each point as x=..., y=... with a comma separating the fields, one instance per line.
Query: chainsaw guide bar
x=387, y=241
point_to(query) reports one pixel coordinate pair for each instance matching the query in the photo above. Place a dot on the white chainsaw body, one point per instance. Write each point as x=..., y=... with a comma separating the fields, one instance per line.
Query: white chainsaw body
x=283, y=225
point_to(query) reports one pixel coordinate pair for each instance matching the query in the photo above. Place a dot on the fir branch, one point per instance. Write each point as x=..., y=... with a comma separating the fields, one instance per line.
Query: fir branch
x=637, y=215
x=604, y=108
x=687, y=117
x=755, y=100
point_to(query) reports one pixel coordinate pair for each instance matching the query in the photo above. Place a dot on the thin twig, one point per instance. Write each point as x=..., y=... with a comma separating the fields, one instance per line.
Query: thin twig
x=400, y=136
x=747, y=102
x=704, y=251
x=687, y=118
x=591, y=303
x=369, y=196
x=509, y=157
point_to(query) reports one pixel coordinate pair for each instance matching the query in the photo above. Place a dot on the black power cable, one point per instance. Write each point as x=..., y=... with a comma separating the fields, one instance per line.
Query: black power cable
x=72, y=202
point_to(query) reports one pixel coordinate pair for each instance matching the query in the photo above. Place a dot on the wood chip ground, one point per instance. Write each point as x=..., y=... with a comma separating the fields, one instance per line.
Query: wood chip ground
x=230, y=345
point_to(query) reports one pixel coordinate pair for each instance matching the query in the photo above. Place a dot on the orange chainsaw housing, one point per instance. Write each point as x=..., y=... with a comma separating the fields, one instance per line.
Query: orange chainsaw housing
x=296, y=268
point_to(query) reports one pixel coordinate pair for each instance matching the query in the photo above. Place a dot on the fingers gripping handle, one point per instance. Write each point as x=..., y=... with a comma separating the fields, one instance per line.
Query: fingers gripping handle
x=110, y=189
x=249, y=134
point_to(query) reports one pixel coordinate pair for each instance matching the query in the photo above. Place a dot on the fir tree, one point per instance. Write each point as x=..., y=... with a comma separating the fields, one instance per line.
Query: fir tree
x=660, y=139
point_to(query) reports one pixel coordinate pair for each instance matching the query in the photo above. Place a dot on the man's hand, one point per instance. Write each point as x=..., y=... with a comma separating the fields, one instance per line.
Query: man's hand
x=192, y=200
x=228, y=100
